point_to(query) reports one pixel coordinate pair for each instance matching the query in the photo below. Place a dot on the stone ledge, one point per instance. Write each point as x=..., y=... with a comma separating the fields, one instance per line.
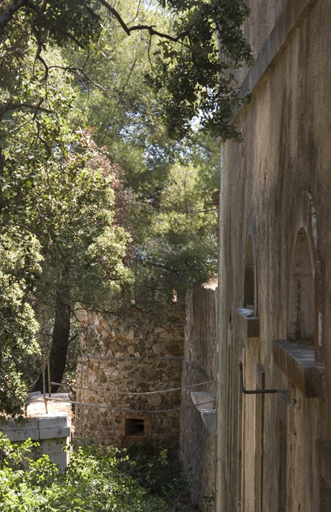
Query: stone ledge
x=205, y=402
x=298, y=363
x=247, y=323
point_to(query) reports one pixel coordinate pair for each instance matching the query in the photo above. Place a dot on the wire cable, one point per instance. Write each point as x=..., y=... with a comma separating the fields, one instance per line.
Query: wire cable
x=136, y=411
x=170, y=390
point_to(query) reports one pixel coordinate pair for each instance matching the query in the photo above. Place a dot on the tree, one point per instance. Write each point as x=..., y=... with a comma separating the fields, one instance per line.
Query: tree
x=19, y=265
x=73, y=209
x=174, y=237
x=192, y=72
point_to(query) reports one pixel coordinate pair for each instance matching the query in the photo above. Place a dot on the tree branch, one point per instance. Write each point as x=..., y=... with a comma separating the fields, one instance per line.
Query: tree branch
x=151, y=28
x=70, y=340
x=82, y=72
x=10, y=11
x=14, y=106
x=39, y=45
x=116, y=15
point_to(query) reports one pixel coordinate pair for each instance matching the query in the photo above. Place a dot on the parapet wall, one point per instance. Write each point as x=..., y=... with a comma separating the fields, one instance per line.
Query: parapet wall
x=130, y=360
x=50, y=429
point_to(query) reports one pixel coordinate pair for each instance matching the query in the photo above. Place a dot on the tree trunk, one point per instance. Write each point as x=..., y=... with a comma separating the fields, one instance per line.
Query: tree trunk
x=59, y=348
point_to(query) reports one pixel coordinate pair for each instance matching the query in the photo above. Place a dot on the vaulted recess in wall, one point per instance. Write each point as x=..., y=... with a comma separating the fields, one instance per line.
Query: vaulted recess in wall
x=249, y=288
x=246, y=317
x=300, y=356
x=302, y=307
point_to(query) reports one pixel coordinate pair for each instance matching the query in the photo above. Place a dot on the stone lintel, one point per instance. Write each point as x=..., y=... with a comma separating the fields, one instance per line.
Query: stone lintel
x=247, y=323
x=53, y=420
x=298, y=363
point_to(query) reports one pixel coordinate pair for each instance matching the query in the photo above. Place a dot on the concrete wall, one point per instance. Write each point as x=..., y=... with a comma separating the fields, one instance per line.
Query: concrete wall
x=274, y=449
x=51, y=430
x=127, y=359
x=197, y=443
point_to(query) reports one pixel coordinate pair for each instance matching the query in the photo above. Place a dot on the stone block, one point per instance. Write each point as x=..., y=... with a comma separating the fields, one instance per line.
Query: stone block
x=54, y=433
x=55, y=420
x=247, y=322
x=21, y=435
x=298, y=363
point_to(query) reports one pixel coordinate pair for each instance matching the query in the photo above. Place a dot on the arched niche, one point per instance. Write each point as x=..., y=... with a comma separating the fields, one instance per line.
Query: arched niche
x=250, y=298
x=304, y=321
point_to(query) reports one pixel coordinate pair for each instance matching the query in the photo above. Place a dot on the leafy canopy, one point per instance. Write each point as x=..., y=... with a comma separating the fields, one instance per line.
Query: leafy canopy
x=197, y=49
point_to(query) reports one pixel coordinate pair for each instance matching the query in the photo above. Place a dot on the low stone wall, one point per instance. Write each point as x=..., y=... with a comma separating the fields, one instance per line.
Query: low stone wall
x=129, y=360
x=197, y=443
x=51, y=430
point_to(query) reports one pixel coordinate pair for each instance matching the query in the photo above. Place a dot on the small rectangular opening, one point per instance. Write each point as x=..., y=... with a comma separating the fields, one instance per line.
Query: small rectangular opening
x=134, y=427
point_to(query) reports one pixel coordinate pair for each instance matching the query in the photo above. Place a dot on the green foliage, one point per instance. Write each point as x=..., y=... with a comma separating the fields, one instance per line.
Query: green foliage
x=151, y=469
x=172, y=180
x=194, y=69
x=199, y=43
x=60, y=186
x=175, y=241
x=19, y=266
x=124, y=110
x=69, y=204
x=92, y=482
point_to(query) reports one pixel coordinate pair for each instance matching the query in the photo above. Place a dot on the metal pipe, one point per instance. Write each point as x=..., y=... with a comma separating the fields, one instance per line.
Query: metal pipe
x=257, y=391
x=49, y=376
x=219, y=499
x=44, y=385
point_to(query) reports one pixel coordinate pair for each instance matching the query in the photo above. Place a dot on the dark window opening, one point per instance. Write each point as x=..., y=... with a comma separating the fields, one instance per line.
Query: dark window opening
x=134, y=427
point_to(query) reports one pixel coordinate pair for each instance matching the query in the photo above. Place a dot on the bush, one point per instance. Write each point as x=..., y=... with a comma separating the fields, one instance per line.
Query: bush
x=151, y=470
x=93, y=482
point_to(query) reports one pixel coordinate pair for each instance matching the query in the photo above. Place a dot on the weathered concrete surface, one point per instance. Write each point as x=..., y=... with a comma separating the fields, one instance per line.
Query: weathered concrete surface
x=197, y=443
x=129, y=360
x=268, y=456
x=51, y=430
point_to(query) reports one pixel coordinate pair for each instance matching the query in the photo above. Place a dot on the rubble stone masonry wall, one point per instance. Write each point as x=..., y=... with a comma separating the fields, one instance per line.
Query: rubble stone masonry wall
x=129, y=360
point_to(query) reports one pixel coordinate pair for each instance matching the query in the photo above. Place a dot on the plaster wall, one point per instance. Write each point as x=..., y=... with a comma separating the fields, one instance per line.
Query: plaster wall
x=285, y=151
x=263, y=16
x=257, y=27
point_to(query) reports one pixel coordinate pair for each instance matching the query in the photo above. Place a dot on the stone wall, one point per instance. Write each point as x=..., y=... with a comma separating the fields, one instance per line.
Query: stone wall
x=51, y=429
x=274, y=450
x=197, y=443
x=127, y=359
